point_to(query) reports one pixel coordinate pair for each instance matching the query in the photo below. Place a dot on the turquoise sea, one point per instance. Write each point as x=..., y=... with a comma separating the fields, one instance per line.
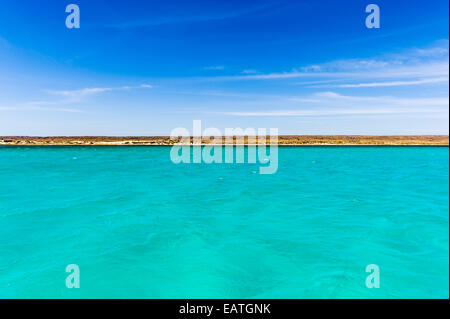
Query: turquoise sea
x=139, y=226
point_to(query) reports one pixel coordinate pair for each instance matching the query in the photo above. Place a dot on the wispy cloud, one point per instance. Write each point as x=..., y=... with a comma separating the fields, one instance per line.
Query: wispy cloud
x=335, y=99
x=387, y=84
x=249, y=71
x=412, y=67
x=217, y=67
x=39, y=108
x=80, y=92
x=331, y=103
x=328, y=112
x=76, y=95
x=193, y=18
x=67, y=97
x=433, y=69
x=91, y=91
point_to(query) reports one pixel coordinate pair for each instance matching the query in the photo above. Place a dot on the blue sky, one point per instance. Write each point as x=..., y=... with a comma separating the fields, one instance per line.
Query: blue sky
x=147, y=67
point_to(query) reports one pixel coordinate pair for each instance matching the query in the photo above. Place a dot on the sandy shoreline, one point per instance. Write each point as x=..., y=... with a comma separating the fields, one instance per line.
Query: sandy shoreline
x=291, y=140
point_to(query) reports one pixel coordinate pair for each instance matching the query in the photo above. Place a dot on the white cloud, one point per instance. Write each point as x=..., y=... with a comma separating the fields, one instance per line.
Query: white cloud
x=77, y=95
x=331, y=103
x=216, y=67
x=81, y=92
x=189, y=18
x=68, y=97
x=412, y=67
x=335, y=99
x=387, y=84
x=311, y=68
x=39, y=108
x=441, y=50
x=328, y=112
x=377, y=71
x=249, y=71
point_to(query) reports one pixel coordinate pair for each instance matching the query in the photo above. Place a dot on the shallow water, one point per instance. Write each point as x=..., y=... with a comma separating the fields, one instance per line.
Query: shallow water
x=139, y=226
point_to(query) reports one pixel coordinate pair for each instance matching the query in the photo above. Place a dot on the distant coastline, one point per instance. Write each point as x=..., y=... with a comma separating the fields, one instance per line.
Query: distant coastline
x=284, y=140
